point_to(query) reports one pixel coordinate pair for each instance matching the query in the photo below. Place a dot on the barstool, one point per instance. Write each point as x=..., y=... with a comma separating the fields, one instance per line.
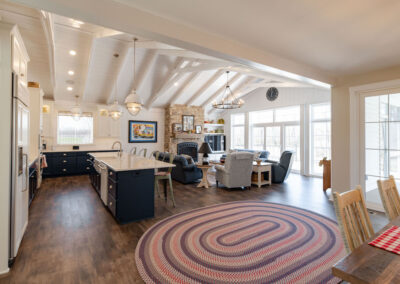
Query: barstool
x=165, y=175
x=133, y=151
x=144, y=151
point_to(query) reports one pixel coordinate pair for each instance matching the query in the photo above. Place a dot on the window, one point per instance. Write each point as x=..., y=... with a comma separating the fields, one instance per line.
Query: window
x=71, y=131
x=276, y=130
x=320, y=117
x=257, y=140
x=237, y=138
x=292, y=143
x=273, y=142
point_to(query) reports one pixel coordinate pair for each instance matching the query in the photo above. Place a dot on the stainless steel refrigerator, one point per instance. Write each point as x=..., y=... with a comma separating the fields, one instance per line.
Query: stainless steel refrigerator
x=19, y=201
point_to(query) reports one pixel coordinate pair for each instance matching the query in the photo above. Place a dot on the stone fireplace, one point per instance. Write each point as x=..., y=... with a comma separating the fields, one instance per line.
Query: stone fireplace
x=173, y=114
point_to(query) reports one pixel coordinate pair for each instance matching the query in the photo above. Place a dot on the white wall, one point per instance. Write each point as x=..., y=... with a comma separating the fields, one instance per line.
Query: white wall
x=154, y=114
x=256, y=100
x=5, y=129
x=344, y=177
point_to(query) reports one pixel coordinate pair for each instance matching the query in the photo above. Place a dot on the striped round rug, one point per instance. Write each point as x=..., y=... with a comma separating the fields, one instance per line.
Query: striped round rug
x=241, y=242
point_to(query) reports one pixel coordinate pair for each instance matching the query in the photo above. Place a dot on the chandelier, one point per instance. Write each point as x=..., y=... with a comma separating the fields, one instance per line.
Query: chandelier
x=132, y=101
x=115, y=111
x=229, y=100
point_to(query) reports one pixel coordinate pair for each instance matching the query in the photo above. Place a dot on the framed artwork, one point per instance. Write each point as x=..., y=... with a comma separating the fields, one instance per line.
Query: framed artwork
x=177, y=127
x=198, y=129
x=142, y=131
x=188, y=122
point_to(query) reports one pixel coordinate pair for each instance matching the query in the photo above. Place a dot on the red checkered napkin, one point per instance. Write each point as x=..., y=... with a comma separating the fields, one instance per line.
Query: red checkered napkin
x=388, y=240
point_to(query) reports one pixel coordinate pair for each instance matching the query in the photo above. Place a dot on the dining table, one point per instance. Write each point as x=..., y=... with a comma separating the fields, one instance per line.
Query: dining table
x=369, y=264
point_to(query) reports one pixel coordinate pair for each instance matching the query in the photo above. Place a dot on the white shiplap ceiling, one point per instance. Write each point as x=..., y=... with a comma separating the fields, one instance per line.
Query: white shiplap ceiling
x=164, y=74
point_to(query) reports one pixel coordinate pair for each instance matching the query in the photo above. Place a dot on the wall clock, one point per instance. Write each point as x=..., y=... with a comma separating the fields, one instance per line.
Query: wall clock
x=272, y=94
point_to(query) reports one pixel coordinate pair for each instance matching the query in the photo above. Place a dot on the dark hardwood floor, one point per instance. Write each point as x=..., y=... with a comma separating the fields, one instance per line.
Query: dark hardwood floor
x=72, y=238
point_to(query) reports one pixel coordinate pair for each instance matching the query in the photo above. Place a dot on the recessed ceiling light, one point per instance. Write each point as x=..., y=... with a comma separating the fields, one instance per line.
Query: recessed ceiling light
x=176, y=84
x=72, y=52
x=71, y=72
x=70, y=88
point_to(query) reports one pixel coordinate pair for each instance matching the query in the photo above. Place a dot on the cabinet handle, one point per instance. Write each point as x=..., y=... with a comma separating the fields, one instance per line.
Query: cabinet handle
x=87, y=168
x=64, y=154
x=110, y=203
x=22, y=75
x=111, y=173
x=87, y=160
x=64, y=170
x=110, y=186
x=64, y=161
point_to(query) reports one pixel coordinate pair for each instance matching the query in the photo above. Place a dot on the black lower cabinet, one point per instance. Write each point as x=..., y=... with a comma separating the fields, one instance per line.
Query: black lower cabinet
x=69, y=163
x=131, y=195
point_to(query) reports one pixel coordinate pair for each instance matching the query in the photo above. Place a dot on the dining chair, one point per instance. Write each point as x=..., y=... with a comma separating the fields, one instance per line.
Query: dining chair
x=390, y=197
x=143, y=152
x=354, y=222
x=165, y=175
x=133, y=150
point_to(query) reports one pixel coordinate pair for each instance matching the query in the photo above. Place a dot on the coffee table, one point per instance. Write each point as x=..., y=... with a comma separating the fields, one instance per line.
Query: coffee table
x=204, y=181
x=261, y=169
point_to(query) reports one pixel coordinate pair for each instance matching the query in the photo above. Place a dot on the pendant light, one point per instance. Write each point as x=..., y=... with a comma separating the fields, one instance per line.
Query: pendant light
x=76, y=110
x=115, y=110
x=229, y=100
x=132, y=101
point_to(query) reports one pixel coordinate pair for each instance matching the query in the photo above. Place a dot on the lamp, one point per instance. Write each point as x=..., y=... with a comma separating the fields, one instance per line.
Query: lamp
x=205, y=149
x=132, y=101
x=76, y=110
x=115, y=111
x=229, y=100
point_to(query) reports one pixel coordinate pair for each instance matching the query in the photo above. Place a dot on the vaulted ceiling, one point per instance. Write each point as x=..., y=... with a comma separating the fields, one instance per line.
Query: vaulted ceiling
x=103, y=64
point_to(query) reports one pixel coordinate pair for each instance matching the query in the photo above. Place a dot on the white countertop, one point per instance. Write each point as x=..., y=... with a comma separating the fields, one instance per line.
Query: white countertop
x=80, y=150
x=128, y=162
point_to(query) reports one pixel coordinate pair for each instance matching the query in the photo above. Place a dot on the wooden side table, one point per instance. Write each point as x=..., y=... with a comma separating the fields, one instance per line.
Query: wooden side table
x=260, y=170
x=204, y=181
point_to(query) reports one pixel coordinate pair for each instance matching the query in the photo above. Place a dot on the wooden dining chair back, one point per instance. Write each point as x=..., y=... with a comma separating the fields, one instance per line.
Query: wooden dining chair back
x=354, y=222
x=390, y=197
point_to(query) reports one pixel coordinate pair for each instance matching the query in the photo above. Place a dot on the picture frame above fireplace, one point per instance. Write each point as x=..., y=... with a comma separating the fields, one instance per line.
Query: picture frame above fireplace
x=187, y=122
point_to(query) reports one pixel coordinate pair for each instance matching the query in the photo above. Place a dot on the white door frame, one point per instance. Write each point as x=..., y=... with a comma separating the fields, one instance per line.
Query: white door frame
x=356, y=132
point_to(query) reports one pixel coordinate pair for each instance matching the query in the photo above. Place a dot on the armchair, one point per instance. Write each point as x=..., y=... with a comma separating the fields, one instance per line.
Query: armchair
x=237, y=170
x=281, y=170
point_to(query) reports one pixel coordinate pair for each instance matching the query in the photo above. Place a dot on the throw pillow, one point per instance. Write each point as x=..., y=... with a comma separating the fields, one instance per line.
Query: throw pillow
x=188, y=158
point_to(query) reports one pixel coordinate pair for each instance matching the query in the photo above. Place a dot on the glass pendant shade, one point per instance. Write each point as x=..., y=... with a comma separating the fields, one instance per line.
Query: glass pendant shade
x=133, y=103
x=115, y=111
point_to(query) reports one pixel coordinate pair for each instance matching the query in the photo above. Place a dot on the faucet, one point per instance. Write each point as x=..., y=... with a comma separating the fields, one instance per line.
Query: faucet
x=120, y=147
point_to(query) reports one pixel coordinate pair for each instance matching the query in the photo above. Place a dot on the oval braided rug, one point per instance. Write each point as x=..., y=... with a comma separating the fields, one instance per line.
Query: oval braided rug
x=241, y=242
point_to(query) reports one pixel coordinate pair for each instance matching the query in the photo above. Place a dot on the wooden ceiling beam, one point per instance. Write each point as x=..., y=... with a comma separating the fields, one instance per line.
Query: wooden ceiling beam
x=172, y=76
x=47, y=22
x=148, y=62
x=106, y=33
x=184, y=87
x=205, y=86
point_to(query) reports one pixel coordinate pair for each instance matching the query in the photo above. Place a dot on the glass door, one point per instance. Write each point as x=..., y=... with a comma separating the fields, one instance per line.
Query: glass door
x=273, y=142
x=381, y=145
x=292, y=143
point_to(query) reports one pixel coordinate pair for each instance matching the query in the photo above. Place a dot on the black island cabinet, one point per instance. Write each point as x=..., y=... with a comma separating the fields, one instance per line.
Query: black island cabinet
x=131, y=194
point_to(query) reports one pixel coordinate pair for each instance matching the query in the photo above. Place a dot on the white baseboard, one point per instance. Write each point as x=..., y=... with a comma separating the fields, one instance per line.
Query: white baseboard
x=4, y=271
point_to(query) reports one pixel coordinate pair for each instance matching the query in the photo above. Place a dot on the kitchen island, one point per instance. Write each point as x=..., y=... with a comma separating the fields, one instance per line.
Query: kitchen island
x=128, y=187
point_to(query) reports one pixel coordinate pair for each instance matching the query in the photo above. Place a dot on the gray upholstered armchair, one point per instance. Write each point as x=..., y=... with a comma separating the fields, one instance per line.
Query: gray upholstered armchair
x=237, y=170
x=281, y=169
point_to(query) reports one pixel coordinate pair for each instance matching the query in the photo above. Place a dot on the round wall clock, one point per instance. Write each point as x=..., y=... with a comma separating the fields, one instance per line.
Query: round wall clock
x=272, y=94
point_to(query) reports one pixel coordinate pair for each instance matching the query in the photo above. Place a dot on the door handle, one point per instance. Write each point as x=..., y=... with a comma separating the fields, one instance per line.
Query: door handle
x=26, y=172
